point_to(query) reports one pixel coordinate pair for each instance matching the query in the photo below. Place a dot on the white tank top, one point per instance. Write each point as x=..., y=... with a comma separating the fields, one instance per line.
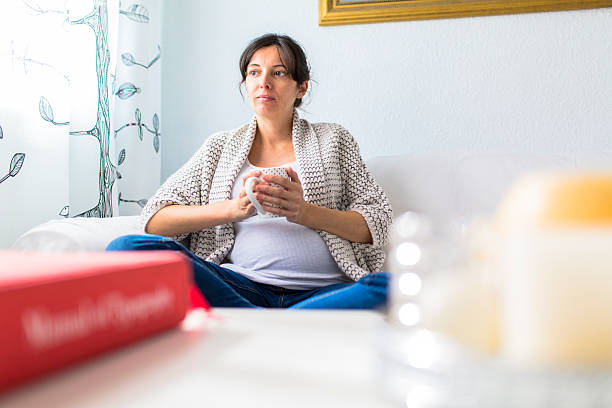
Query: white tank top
x=277, y=252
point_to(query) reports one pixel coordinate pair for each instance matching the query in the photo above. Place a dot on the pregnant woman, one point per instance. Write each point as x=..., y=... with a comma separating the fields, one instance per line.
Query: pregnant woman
x=318, y=242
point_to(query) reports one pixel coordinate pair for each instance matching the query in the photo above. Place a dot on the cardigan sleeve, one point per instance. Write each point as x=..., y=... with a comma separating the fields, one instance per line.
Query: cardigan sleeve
x=362, y=194
x=183, y=187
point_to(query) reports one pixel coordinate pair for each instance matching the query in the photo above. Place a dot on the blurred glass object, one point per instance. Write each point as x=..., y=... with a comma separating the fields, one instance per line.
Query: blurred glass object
x=453, y=286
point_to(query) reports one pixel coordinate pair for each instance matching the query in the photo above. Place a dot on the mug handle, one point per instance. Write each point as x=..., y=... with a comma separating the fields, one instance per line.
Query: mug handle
x=248, y=187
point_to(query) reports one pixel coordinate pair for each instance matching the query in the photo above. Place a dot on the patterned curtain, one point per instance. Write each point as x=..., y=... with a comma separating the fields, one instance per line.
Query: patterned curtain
x=80, y=98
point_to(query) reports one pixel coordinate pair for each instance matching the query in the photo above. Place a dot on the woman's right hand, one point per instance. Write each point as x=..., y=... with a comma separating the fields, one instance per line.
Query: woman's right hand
x=241, y=207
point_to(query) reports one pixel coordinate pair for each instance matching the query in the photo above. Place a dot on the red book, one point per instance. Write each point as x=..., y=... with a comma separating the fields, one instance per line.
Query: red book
x=57, y=309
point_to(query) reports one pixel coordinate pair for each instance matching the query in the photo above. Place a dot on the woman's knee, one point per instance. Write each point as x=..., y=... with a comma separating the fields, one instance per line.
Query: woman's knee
x=376, y=279
x=137, y=242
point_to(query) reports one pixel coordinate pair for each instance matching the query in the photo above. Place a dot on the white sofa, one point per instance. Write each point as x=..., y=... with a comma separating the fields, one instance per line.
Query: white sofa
x=339, y=355
x=444, y=185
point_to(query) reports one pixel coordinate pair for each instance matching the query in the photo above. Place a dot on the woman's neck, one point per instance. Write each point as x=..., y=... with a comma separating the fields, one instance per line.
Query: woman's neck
x=273, y=131
x=273, y=144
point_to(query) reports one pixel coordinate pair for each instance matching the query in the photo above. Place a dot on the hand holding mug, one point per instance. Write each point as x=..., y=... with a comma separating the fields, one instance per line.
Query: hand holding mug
x=241, y=207
x=283, y=197
x=280, y=174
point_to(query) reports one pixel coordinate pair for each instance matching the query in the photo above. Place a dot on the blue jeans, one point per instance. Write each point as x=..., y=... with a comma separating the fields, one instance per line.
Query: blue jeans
x=225, y=288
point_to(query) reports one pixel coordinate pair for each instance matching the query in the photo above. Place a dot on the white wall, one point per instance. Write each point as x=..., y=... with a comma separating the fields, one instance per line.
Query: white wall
x=529, y=82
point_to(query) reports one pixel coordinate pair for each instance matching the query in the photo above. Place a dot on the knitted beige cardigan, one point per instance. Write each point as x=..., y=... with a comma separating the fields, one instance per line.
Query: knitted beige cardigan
x=333, y=175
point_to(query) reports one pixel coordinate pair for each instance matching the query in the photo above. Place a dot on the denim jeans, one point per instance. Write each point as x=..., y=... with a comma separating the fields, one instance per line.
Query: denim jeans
x=225, y=288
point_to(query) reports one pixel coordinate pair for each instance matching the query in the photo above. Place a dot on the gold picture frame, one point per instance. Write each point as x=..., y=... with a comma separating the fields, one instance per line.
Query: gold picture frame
x=337, y=12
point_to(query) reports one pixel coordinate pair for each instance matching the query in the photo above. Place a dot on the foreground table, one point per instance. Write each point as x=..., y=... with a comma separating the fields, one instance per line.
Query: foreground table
x=241, y=358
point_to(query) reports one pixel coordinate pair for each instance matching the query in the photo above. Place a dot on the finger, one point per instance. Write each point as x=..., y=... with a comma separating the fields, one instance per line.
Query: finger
x=246, y=204
x=271, y=190
x=275, y=210
x=243, y=197
x=254, y=186
x=251, y=210
x=264, y=198
x=293, y=174
x=281, y=181
x=244, y=200
x=254, y=173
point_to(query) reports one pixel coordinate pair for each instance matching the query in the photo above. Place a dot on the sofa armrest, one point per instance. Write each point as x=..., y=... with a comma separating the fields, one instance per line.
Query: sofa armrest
x=76, y=234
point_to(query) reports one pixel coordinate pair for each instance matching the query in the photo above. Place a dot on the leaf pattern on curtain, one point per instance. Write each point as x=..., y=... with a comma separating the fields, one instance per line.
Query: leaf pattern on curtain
x=140, y=126
x=16, y=162
x=15, y=166
x=134, y=71
x=127, y=90
x=137, y=13
x=64, y=211
x=46, y=112
x=142, y=202
x=32, y=56
x=129, y=60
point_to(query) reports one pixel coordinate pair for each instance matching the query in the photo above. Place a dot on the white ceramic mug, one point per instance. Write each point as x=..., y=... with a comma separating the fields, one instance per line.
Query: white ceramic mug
x=250, y=182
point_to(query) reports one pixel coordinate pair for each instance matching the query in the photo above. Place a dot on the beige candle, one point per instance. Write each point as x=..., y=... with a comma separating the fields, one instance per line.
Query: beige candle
x=556, y=259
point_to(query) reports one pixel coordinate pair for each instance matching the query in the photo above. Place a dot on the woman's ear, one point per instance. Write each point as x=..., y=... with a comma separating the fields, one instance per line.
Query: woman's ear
x=302, y=88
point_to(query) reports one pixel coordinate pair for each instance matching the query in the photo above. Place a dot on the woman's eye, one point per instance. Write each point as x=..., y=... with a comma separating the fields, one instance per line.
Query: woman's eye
x=280, y=73
x=252, y=73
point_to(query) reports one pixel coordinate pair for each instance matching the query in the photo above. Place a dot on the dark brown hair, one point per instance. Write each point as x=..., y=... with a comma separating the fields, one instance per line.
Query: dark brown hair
x=290, y=52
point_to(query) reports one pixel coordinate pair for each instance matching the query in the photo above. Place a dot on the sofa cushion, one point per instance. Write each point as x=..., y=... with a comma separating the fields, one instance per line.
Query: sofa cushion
x=462, y=185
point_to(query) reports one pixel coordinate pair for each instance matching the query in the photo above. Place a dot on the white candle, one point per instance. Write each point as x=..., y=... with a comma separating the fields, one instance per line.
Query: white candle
x=557, y=298
x=556, y=264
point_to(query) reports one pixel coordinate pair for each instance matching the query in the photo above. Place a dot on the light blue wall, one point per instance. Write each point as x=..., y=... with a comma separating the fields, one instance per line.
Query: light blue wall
x=530, y=82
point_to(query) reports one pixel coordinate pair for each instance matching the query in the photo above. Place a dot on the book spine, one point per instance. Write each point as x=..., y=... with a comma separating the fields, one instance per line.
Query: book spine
x=46, y=327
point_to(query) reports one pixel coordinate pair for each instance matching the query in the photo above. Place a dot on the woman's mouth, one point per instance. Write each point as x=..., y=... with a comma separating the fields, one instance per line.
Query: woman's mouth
x=266, y=98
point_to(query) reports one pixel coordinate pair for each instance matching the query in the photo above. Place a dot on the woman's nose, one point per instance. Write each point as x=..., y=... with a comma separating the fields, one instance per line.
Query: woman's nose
x=265, y=82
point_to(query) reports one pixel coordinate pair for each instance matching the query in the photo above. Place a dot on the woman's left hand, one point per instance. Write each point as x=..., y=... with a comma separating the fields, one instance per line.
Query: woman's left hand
x=349, y=225
x=290, y=198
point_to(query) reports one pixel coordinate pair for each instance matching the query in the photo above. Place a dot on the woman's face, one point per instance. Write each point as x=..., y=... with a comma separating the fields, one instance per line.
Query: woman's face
x=269, y=86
